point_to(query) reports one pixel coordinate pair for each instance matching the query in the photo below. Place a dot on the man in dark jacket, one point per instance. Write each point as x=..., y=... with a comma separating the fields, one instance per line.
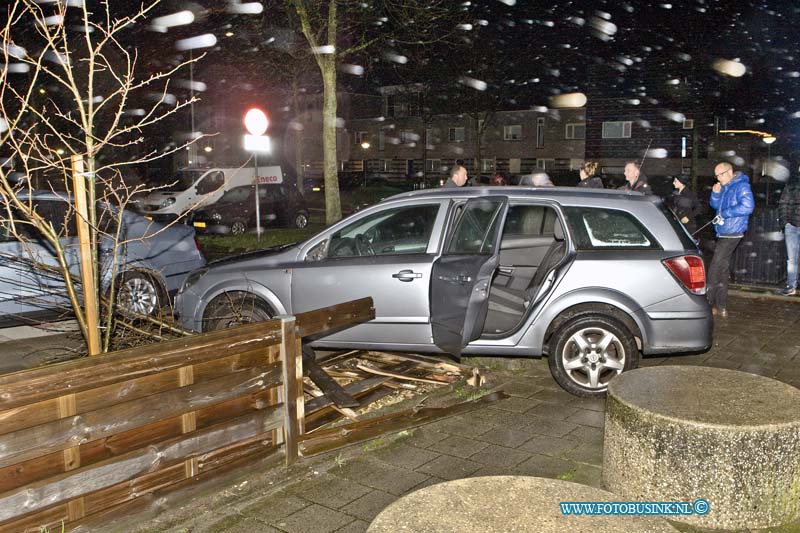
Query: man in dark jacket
x=684, y=203
x=458, y=177
x=636, y=180
x=789, y=217
x=733, y=201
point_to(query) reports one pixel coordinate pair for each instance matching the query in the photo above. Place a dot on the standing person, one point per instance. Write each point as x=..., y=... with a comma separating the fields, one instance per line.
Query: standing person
x=684, y=203
x=458, y=177
x=498, y=180
x=732, y=199
x=589, y=179
x=636, y=180
x=789, y=217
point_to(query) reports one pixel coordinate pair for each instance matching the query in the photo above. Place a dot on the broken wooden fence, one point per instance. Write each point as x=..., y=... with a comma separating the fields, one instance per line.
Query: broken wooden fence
x=93, y=435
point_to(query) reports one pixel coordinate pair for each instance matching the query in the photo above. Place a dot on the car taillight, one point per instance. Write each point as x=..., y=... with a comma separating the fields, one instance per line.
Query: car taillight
x=690, y=271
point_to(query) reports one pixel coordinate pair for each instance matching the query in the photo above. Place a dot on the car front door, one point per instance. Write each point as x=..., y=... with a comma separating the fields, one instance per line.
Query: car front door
x=462, y=275
x=385, y=254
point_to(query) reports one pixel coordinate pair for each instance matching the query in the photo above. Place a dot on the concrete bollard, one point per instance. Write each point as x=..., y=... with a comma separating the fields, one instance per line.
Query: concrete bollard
x=682, y=433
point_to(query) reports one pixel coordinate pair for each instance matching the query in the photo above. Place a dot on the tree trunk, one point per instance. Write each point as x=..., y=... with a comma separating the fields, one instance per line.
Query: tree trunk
x=298, y=136
x=333, y=206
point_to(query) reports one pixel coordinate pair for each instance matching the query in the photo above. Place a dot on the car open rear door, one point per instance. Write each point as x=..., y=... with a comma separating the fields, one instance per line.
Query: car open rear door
x=461, y=276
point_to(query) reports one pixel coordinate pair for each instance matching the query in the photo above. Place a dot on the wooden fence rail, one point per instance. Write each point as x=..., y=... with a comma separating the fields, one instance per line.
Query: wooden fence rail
x=81, y=438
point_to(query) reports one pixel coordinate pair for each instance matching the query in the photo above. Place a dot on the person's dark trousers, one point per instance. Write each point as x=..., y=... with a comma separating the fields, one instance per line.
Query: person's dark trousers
x=719, y=272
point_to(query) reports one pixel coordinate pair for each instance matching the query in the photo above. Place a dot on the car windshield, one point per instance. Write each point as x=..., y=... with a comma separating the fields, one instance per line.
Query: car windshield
x=182, y=180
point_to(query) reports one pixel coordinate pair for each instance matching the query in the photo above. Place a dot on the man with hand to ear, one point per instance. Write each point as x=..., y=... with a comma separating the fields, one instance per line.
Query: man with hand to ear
x=732, y=199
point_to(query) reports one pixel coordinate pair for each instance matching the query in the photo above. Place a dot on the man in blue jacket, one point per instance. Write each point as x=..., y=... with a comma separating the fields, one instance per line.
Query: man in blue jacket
x=733, y=201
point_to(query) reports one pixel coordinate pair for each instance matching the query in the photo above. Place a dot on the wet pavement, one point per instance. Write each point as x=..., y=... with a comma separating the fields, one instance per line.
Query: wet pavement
x=539, y=431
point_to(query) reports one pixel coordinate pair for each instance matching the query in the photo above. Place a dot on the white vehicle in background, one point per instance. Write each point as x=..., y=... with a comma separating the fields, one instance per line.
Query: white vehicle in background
x=191, y=188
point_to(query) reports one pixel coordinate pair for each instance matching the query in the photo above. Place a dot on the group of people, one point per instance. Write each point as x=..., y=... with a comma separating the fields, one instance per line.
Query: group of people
x=731, y=199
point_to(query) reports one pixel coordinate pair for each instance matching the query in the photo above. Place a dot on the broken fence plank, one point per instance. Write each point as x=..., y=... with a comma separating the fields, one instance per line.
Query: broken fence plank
x=329, y=439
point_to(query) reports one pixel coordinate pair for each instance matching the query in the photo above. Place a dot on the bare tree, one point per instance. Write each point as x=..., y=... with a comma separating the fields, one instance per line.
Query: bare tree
x=69, y=87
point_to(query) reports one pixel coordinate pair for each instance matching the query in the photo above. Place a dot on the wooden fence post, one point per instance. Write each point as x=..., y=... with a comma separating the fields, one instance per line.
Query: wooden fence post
x=294, y=412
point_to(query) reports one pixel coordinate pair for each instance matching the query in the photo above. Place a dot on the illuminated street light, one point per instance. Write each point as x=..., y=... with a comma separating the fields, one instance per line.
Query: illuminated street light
x=365, y=145
x=207, y=149
x=770, y=139
x=256, y=123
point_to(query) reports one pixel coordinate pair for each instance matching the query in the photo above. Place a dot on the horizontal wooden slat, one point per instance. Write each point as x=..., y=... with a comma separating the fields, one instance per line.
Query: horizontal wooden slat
x=39, y=384
x=34, y=414
x=121, y=499
x=86, y=480
x=327, y=319
x=75, y=430
x=19, y=474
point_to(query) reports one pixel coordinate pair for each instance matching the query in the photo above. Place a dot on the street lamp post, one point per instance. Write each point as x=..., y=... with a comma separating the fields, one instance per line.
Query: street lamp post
x=365, y=146
x=256, y=123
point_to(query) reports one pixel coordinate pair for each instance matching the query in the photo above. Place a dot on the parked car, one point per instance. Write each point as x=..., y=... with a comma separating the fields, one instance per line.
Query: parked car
x=192, y=188
x=235, y=212
x=152, y=264
x=589, y=278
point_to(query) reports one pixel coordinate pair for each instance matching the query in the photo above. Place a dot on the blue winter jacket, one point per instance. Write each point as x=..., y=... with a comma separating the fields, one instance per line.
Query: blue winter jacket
x=733, y=203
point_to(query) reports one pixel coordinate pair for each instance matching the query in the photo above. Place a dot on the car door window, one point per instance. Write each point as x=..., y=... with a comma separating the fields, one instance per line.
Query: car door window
x=239, y=194
x=596, y=228
x=476, y=225
x=402, y=230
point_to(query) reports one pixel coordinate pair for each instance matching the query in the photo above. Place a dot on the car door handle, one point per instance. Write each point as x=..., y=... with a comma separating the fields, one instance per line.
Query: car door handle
x=407, y=275
x=506, y=270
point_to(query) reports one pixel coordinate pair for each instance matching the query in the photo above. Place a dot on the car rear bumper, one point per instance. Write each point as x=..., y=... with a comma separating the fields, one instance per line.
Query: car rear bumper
x=211, y=229
x=679, y=334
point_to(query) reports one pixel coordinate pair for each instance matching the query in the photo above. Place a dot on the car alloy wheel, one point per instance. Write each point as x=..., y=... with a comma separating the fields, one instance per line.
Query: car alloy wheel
x=138, y=294
x=300, y=220
x=589, y=352
x=238, y=227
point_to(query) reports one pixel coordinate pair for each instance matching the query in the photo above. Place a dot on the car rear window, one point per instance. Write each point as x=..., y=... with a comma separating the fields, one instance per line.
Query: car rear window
x=683, y=234
x=604, y=229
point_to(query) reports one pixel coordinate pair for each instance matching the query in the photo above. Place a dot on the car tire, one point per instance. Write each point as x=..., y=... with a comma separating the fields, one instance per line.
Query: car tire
x=300, y=220
x=238, y=227
x=139, y=293
x=234, y=309
x=589, y=351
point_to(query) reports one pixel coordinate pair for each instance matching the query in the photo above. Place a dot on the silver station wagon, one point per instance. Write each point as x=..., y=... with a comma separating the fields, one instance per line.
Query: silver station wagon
x=591, y=279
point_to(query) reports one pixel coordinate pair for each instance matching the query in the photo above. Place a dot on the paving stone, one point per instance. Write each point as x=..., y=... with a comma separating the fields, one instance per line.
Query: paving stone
x=494, y=470
x=239, y=524
x=405, y=456
x=511, y=438
x=552, y=428
x=332, y=491
x=593, y=404
x=585, y=417
x=544, y=466
x=448, y=467
x=555, y=412
x=359, y=526
x=424, y=436
x=432, y=480
x=652, y=361
x=464, y=426
x=722, y=363
x=587, y=435
x=314, y=519
x=499, y=455
x=557, y=396
x=503, y=419
x=586, y=453
x=516, y=405
x=551, y=446
x=381, y=476
x=275, y=507
x=588, y=475
x=524, y=389
x=368, y=506
x=459, y=446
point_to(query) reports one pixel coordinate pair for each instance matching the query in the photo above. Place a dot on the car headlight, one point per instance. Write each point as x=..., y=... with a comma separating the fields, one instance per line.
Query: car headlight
x=167, y=202
x=216, y=217
x=193, y=277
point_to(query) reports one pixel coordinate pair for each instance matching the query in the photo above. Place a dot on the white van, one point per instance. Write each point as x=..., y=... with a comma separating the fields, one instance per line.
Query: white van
x=191, y=188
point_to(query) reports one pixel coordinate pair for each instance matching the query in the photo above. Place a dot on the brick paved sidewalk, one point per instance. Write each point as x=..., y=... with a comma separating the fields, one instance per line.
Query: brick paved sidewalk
x=539, y=431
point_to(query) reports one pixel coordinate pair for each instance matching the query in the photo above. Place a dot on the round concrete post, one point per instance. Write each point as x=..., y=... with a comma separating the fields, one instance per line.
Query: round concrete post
x=683, y=433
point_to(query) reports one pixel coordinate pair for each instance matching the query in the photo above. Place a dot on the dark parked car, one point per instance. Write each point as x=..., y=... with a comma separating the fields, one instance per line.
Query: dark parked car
x=235, y=212
x=151, y=264
x=590, y=278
